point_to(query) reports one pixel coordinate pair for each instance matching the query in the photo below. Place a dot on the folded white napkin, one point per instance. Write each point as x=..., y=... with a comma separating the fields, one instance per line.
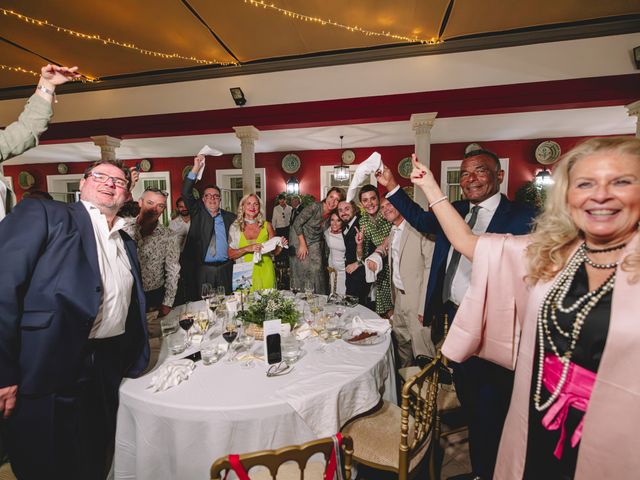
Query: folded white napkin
x=303, y=331
x=379, y=325
x=268, y=246
x=207, y=150
x=366, y=168
x=370, y=276
x=171, y=374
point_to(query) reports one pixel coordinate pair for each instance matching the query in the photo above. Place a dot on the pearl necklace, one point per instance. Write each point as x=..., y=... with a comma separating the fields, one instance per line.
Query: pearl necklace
x=604, y=250
x=553, y=301
x=250, y=221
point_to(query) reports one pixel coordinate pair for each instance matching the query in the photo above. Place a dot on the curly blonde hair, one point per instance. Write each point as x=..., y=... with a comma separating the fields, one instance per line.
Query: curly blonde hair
x=555, y=233
x=240, y=217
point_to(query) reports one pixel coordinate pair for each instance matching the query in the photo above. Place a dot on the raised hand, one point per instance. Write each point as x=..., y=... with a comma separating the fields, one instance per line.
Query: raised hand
x=420, y=175
x=55, y=75
x=386, y=178
x=359, y=236
x=198, y=163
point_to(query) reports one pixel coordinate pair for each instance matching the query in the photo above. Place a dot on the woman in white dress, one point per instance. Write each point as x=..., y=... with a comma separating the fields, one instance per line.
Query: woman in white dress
x=335, y=242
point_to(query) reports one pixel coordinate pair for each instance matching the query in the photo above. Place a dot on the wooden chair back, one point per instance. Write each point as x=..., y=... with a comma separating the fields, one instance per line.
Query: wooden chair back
x=272, y=459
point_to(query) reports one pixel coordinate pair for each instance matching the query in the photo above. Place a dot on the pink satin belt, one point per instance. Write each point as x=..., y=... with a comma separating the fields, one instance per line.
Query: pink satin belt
x=575, y=393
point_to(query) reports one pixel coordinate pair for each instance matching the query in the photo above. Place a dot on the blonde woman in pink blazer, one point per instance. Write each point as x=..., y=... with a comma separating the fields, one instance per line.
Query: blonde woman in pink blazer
x=562, y=307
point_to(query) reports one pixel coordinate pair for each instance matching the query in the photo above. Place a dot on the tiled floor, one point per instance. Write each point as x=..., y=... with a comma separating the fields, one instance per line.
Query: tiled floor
x=456, y=455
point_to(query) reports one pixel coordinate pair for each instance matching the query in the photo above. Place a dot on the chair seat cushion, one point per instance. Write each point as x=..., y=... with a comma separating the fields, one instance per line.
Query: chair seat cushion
x=376, y=438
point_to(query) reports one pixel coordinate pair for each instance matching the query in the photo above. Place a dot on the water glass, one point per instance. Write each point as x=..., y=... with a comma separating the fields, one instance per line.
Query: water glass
x=168, y=325
x=211, y=352
x=290, y=349
x=177, y=342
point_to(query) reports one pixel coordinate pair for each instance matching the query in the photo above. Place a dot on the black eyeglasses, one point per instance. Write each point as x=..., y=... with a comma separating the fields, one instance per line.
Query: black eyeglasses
x=156, y=190
x=103, y=177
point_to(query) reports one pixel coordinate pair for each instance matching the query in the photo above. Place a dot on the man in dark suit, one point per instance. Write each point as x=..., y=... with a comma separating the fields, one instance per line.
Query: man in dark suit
x=72, y=324
x=356, y=284
x=206, y=257
x=484, y=389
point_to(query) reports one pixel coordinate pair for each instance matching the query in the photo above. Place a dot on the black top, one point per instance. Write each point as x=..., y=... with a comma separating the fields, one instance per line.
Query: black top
x=540, y=461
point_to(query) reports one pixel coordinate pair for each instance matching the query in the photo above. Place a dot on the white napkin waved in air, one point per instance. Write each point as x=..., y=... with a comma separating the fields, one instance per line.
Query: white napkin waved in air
x=207, y=150
x=379, y=325
x=366, y=168
x=268, y=246
x=171, y=374
x=369, y=275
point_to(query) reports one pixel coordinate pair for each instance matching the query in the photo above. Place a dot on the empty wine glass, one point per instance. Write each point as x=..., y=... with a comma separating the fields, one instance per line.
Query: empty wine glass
x=206, y=291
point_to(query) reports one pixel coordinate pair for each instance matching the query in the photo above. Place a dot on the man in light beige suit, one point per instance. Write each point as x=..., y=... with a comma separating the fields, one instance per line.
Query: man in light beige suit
x=410, y=255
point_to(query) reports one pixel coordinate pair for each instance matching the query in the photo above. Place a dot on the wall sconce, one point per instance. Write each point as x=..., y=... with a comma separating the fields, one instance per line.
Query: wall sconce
x=636, y=57
x=293, y=186
x=341, y=172
x=543, y=179
x=238, y=96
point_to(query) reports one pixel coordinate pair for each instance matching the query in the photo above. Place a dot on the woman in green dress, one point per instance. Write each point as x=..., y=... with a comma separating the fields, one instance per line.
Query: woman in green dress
x=246, y=236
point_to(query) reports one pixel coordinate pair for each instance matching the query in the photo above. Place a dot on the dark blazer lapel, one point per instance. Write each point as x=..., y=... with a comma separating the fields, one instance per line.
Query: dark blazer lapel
x=501, y=217
x=83, y=221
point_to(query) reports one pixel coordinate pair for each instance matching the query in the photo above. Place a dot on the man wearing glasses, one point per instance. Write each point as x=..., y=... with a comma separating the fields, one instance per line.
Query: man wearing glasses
x=72, y=325
x=158, y=251
x=206, y=250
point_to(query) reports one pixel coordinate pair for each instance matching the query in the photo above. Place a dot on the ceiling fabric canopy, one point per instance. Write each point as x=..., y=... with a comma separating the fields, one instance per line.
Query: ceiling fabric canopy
x=146, y=37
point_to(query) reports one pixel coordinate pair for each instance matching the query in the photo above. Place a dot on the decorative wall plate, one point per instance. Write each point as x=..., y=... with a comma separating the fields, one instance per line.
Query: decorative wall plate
x=145, y=165
x=291, y=163
x=26, y=180
x=471, y=147
x=236, y=161
x=405, y=167
x=185, y=171
x=547, y=152
x=348, y=156
x=62, y=168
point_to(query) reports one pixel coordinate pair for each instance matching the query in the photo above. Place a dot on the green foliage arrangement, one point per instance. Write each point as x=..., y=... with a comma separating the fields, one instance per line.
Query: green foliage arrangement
x=532, y=195
x=272, y=304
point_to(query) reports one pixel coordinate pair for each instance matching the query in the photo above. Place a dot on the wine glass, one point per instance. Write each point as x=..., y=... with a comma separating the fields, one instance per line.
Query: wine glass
x=202, y=321
x=206, y=291
x=230, y=332
x=186, y=322
x=220, y=292
x=308, y=289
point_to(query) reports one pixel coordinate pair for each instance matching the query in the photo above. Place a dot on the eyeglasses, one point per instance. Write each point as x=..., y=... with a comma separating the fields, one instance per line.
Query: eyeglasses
x=156, y=190
x=103, y=177
x=278, y=369
x=209, y=196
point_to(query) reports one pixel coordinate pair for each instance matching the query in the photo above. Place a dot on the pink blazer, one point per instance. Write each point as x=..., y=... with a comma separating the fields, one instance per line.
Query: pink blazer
x=497, y=321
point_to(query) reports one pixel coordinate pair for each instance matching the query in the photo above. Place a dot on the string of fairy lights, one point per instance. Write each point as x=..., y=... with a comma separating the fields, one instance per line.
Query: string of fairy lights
x=174, y=56
x=350, y=28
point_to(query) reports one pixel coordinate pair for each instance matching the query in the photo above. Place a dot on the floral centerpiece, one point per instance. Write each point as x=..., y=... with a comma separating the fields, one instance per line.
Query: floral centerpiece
x=270, y=304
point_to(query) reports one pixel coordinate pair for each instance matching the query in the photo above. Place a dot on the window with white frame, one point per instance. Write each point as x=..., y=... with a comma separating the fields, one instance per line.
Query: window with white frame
x=230, y=183
x=450, y=178
x=64, y=188
x=328, y=180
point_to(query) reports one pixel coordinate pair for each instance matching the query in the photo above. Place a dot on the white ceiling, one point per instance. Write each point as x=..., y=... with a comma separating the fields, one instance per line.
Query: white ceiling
x=512, y=126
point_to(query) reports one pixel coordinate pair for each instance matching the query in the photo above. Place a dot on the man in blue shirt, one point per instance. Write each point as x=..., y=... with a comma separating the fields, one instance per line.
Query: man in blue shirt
x=206, y=258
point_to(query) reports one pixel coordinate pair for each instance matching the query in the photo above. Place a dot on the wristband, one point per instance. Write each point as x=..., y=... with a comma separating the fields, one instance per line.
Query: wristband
x=438, y=201
x=48, y=91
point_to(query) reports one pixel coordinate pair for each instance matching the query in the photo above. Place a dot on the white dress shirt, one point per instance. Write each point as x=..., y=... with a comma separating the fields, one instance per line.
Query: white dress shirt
x=462, y=278
x=395, y=255
x=281, y=216
x=115, y=272
x=181, y=229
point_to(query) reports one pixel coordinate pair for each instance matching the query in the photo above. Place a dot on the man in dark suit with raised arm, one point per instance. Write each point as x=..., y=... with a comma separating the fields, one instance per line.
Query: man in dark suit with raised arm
x=72, y=325
x=484, y=389
x=205, y=255
x=355, y=282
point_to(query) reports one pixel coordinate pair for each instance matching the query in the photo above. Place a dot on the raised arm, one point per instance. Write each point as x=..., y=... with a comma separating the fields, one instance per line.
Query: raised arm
x=453, y=225
x=189, y=181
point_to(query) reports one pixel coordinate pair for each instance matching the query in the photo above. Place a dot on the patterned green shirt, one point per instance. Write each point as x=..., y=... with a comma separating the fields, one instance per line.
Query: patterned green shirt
x=376, y=229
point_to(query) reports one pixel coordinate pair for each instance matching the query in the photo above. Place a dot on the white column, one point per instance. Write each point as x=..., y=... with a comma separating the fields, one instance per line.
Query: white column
x=634, y=111
x=107, y=146
x=421, y=124
x=248, y=135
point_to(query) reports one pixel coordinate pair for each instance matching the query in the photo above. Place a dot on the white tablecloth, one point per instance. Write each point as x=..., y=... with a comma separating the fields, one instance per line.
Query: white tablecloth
x=224, y=408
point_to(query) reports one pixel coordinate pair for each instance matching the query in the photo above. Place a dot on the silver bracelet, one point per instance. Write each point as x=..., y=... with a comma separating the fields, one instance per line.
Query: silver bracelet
x=48, y=91
x=438, y=201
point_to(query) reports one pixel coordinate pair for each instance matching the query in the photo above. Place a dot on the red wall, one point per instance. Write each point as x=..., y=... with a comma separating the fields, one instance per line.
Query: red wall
x=522, y=165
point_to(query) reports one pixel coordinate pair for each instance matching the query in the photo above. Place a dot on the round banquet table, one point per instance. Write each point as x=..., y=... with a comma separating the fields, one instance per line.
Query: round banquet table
x=228, y=408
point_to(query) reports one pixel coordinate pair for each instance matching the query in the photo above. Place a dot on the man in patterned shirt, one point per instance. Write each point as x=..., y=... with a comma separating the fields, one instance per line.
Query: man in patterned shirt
x=158, y=251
